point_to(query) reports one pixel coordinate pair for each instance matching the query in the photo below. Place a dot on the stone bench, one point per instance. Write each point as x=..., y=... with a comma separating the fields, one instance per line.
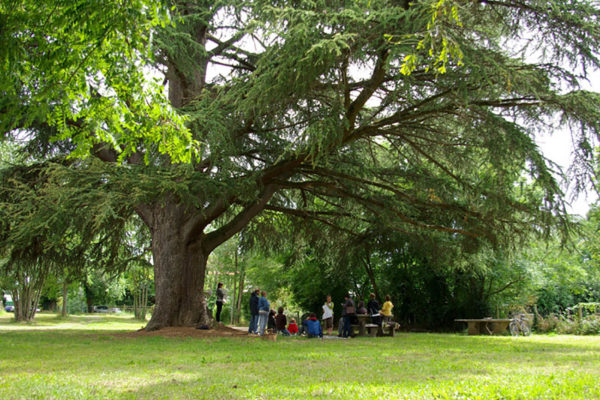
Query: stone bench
x=387, y=329
x=485, y=326
x=372, y=329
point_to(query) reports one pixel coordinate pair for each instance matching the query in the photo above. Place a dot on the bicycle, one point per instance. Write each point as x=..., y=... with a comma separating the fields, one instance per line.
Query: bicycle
x=518, y=325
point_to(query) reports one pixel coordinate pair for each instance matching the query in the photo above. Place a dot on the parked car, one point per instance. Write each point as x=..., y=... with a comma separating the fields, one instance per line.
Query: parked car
x=115, y=310
x=12, y=309
x=9, y=306
x=100, y=309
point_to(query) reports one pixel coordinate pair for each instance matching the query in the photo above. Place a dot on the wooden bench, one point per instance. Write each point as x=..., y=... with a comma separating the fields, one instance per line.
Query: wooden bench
x=364, y=327
x=485, y=326
x=387, y=329
x=372, y=329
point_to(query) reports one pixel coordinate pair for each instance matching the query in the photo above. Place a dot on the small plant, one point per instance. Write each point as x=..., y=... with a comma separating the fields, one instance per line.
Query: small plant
x=565, y=324
x=589, y=325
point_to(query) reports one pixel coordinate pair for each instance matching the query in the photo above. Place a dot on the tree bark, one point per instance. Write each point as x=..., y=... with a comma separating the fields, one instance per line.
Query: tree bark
x=64, y=302
x=238, y=306
x=136, y=296
x=144, y=296
x=234, y=295
x=179, y=270
x=371, y=274
x=89, y=301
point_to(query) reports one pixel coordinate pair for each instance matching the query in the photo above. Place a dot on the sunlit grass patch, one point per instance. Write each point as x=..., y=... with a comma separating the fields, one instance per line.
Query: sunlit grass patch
x=82, y=358
x=118, y=322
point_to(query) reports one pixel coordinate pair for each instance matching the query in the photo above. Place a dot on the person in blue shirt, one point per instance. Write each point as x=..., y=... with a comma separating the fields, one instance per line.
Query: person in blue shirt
x=313, y=326
x=263, y=312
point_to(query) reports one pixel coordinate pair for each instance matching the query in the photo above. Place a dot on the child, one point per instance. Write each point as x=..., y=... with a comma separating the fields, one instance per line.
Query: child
x=281, y=322
x=271, y=322
x=293, y=327
x=313, y=326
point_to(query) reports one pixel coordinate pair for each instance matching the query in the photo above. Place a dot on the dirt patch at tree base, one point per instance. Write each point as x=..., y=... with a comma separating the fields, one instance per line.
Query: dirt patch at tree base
x=187, y=331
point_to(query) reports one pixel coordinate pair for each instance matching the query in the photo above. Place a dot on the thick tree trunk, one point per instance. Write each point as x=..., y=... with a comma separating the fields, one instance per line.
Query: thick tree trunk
x=179, y=271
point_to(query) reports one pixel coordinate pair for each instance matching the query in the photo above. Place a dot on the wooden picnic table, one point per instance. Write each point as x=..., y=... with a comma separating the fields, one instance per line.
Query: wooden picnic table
x=366, y=328
x=483, y=326
x=360, y=325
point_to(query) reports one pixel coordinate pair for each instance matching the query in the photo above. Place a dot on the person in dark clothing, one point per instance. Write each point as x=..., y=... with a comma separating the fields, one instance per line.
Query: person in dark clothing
x=271, y=321
x=348, y=313
x=281, y=322
x=253, y=328
x=220, y=300
x=313, y=327
x=373, y=309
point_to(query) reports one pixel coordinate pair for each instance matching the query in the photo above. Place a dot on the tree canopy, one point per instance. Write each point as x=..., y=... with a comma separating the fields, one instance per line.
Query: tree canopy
x=409, y=115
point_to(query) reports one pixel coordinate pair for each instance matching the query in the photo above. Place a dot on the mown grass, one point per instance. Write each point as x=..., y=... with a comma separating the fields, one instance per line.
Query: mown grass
x=80, y=358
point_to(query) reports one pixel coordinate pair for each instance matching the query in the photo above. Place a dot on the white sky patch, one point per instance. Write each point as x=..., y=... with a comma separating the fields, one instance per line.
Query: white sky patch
x=558, y=147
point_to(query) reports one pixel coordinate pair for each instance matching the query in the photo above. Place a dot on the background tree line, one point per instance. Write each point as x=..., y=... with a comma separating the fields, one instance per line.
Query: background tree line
x=432, y=279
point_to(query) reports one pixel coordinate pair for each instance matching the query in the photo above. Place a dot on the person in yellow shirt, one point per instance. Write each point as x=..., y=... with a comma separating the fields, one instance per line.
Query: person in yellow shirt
x=386, y=309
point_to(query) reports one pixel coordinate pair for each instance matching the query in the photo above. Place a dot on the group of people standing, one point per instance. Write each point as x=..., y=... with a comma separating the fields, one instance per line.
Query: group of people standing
x=260, y=312
x=262, y=317
x=349, y=312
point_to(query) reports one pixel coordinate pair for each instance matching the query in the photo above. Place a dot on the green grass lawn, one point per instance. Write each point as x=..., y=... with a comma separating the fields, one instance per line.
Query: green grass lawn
x=80, y=358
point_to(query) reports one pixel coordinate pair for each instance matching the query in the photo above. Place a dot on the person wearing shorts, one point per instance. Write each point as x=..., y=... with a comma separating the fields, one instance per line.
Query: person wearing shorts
x=328, y=315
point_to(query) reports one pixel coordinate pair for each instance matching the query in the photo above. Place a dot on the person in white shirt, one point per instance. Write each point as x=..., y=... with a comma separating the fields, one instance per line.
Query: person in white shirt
x=328, y=315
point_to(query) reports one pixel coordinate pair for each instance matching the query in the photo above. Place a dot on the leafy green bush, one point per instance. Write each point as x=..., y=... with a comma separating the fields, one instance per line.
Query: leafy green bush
x=589, y=325
x=546, y=325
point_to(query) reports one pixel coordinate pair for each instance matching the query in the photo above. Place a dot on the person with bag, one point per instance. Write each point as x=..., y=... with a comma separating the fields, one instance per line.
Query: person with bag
x=263, y=312
x=348, y=312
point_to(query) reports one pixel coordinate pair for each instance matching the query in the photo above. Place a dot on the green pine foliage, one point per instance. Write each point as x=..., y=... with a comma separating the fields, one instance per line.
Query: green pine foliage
x=81, y=67
x=325, y=89
x=409, y=116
